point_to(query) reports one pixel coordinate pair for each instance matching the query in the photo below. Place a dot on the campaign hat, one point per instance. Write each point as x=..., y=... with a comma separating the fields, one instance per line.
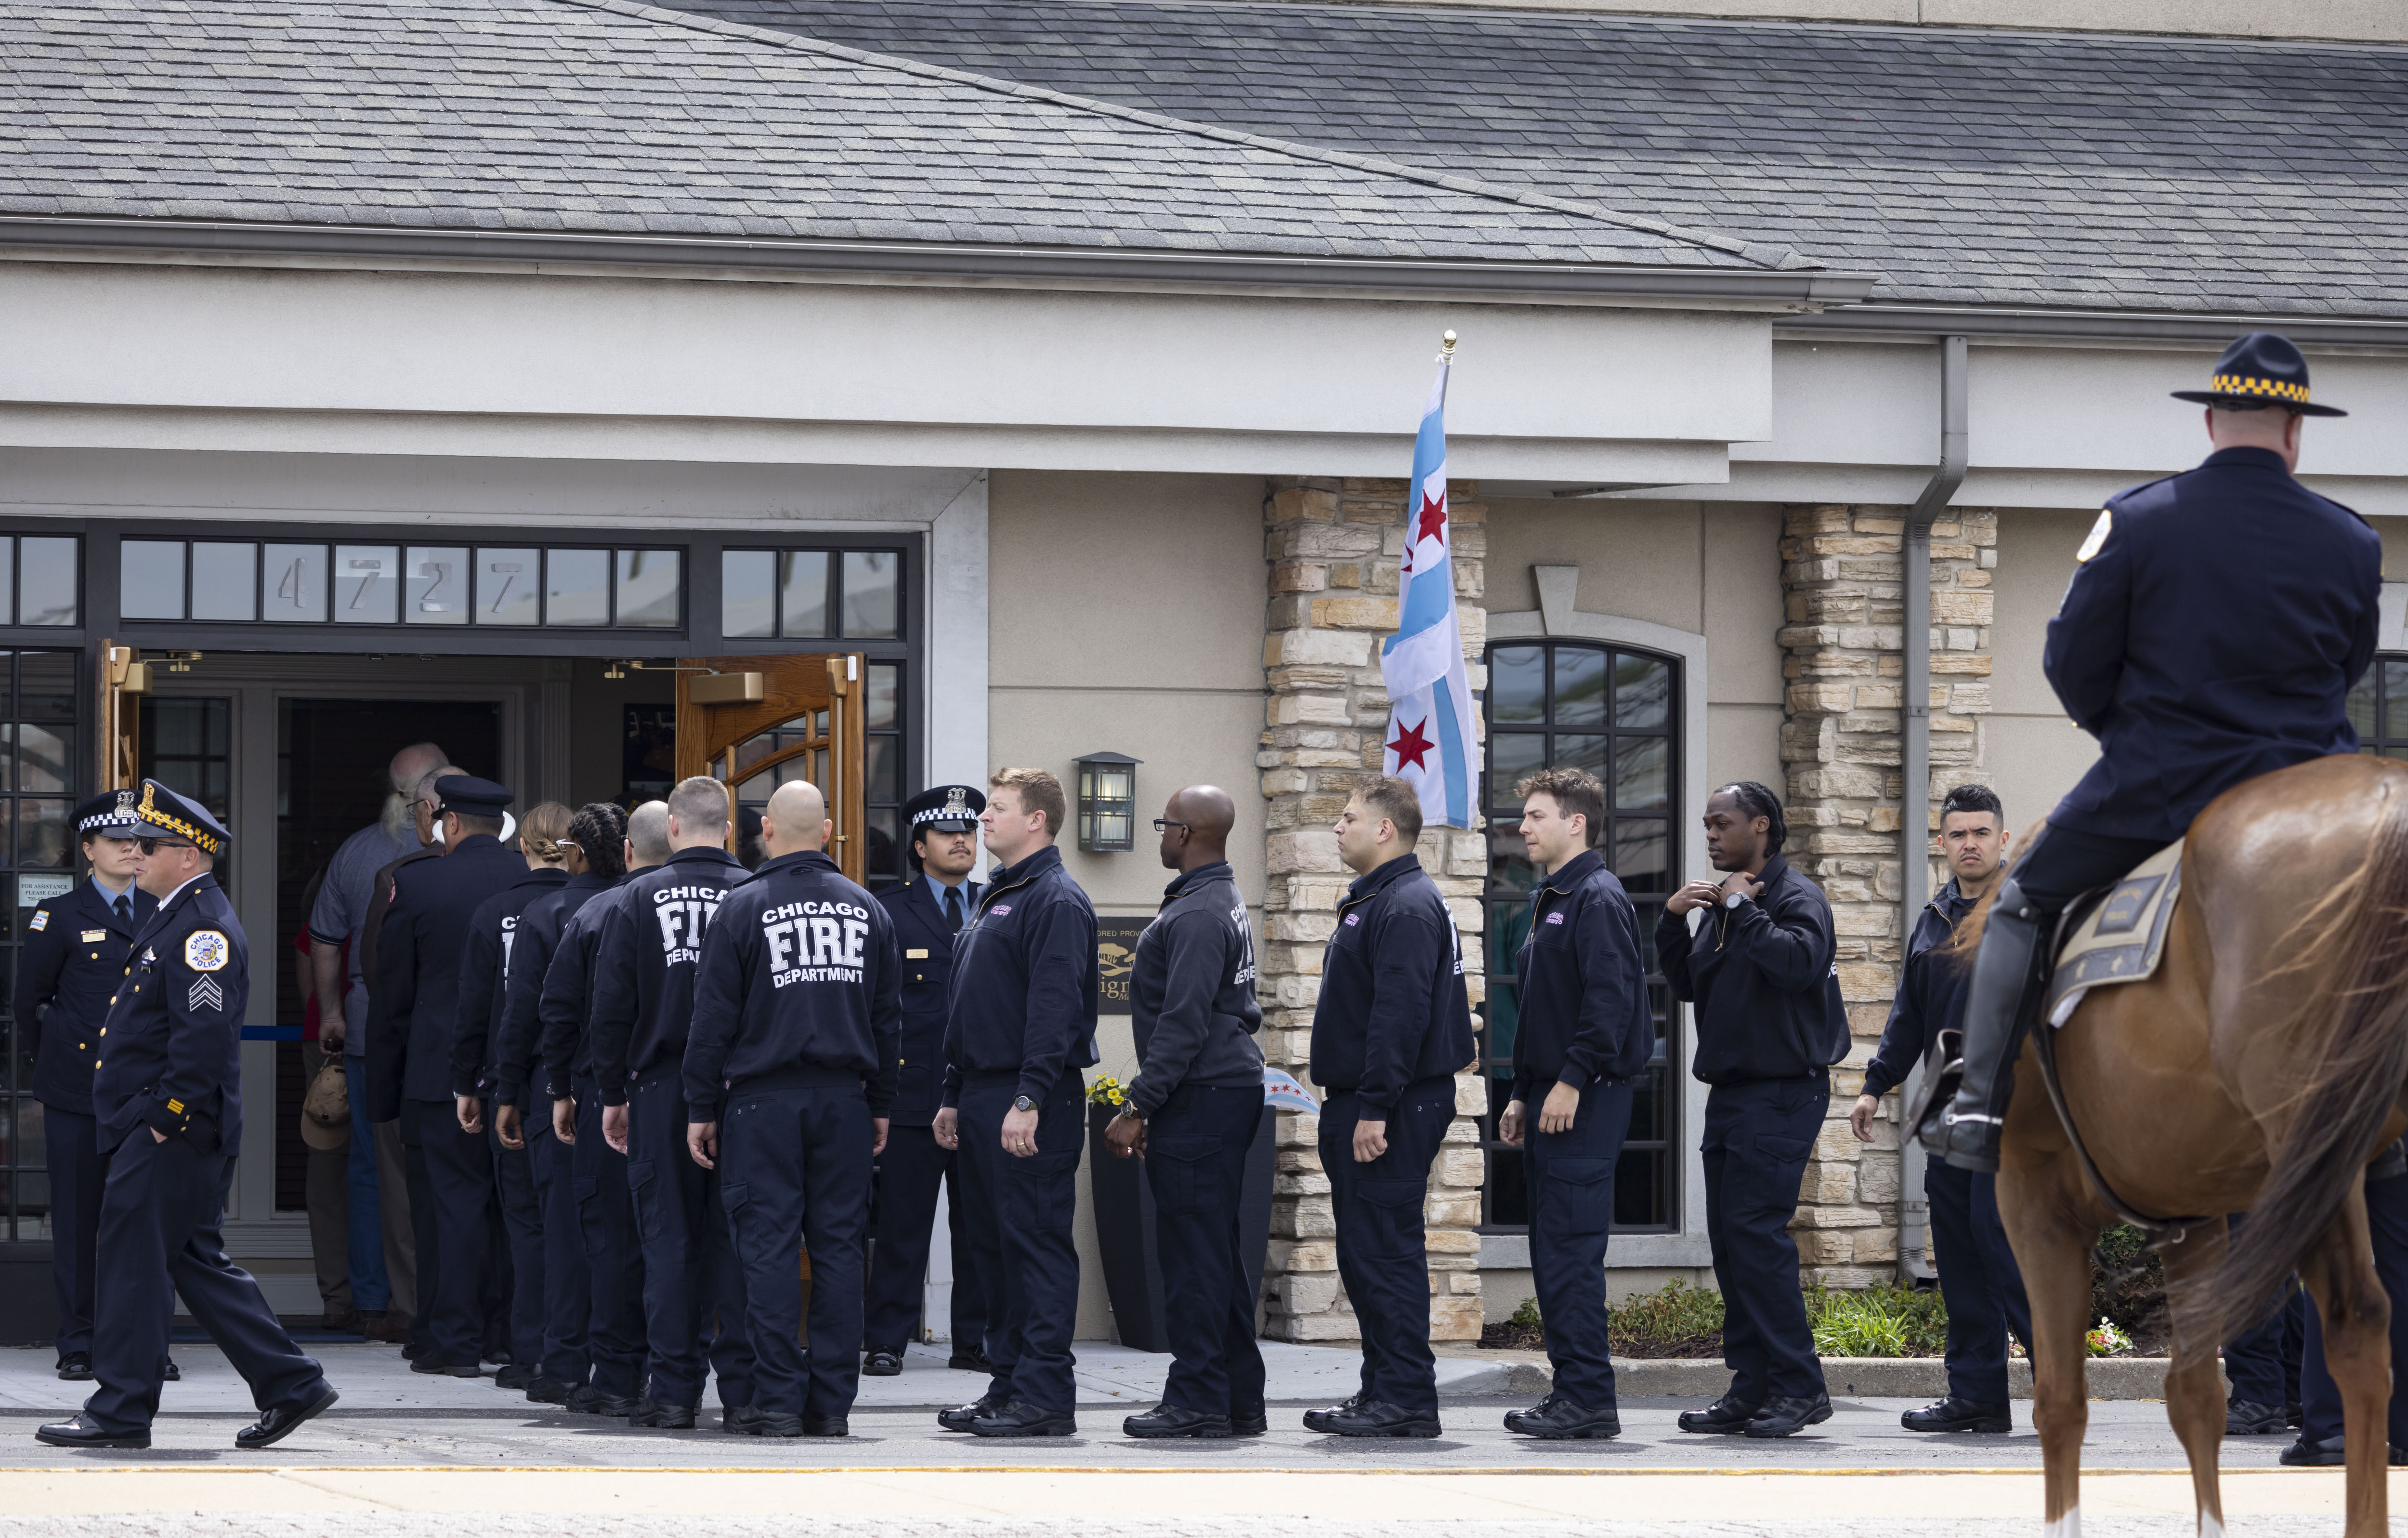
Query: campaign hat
x=2262, y=369
x=107, y=815
x=165, y=815
x=471, y=796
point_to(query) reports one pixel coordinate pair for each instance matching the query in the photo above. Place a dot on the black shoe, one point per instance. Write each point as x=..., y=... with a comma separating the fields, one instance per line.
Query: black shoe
x=1378, y=1417
x=1253, y=1422
x=497, y=1354
x=2294, y=1416
x=2247, y=1417
x=1318, y=1420
x=669, y=1418
x=1020, y=1418
x=972, y=1361
x=590, y=1401
x=2000, y=998
x=2303, y=1454
x=514, y=1377
x=413, y=1350
x=1167, y=1420
x=1958, y=1415
x=771, y=1423
x=77, y=1432
x=1724, y=1416
x=827, y=1425
x=883, y=1364
x=171, y=1372
x=432, y=1368
x=274, y=1426
x=736, y=1419
x=1786, y=1415
x=543, y=1391
x=76, y=1366
x=958, y=1419
x=1556, y=1418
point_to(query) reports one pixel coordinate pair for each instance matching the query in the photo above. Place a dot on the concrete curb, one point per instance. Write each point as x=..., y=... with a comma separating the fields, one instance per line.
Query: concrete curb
x=1861, y=1377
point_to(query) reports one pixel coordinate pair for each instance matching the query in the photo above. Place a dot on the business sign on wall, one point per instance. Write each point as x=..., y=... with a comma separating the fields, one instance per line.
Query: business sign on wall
x=1116, y=957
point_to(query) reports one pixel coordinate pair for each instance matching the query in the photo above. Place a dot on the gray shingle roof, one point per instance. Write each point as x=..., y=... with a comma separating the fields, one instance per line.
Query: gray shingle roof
x=1964, y=165
x=601, y=116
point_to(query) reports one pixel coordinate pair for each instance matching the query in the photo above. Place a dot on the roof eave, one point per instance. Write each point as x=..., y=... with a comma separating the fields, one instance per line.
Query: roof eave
x=1496, y=282
x=2035, y=323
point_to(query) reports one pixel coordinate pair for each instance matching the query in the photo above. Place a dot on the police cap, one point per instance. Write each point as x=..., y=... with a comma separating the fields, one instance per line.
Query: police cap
x=471, y=796
x=946, y=808
x=107, y=815
x=165, y=815
x=2260, y=369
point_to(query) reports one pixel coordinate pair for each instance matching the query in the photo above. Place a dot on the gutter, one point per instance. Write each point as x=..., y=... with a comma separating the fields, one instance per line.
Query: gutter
x=1920, y=321
x=945, y=262
x=1915, y=742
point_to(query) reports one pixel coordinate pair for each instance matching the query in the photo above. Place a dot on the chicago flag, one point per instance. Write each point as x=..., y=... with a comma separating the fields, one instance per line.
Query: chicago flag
x=1433, y=741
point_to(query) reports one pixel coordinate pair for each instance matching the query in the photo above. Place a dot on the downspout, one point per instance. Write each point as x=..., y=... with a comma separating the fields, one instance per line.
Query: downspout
x=1913, y=1262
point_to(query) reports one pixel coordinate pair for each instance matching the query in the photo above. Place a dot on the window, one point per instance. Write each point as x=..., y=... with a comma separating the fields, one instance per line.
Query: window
x=811, y=594
x=2378, y=707
x=40, y=764
x=244, y=581
x=1615, y=713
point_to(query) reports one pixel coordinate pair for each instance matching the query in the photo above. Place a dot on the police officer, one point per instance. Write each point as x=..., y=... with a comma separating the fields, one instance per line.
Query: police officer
x=168, y=1095
x=797, y=1011
x=1763, y=974
x=643, y=1009
x=1391, y=1029
x=1019, y=1023
x=606, y=1210
x=1978, y=1276
x=1193, y=1111
x=484, y=980
x=2214, y=625
x=415, y=1014
x=593, y=856
x=942, y=825
x=74, y=952
x=1584, y=1031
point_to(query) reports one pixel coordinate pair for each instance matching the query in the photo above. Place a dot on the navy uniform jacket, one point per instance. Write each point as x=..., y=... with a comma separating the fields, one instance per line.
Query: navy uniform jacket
x=928, y=944
x=1392, y=1010
x=1580, y=992
x=799, y=975
x=515, y=1073
x=1027, y=980
x=2210, y=635
x=76, y=951
x=643, y=969
x=1192, y=1004
x=1765, y=978
x=171, y=1051
x=565, y=1007
x=414, y=1003
x=484, y=977
x=1930, y=993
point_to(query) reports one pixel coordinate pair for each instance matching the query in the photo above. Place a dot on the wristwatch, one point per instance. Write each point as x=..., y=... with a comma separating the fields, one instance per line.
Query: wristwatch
x=1023, y=1103
x=1734, y=900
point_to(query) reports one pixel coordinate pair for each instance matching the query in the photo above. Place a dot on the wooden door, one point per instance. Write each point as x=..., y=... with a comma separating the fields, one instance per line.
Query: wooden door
x=755, y=722
x=123, y=679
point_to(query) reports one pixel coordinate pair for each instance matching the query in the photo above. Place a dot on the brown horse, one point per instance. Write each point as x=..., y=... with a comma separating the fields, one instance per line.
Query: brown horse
x=2259, y=1069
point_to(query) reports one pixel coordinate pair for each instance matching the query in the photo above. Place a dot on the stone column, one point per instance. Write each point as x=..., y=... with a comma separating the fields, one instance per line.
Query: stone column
x=1842, y=578
x=1334, y=546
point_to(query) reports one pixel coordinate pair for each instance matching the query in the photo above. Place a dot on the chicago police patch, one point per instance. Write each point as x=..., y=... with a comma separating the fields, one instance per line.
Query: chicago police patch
x=205, y=950
x=2098, y=532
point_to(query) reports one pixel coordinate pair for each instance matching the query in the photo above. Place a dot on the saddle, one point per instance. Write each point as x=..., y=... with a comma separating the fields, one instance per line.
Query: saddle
x=2117, y=934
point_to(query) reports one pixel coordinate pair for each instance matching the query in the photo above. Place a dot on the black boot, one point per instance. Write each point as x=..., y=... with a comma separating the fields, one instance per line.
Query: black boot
x=2004, y=989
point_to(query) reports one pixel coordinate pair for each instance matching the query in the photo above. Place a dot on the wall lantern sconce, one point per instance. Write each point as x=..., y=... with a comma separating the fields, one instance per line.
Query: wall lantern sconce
x=1108, y=803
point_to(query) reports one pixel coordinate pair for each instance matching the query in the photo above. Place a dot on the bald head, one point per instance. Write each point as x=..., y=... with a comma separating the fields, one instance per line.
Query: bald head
x=795, y=821
x=1196, y=823
x=647, y=835
x=410, y=765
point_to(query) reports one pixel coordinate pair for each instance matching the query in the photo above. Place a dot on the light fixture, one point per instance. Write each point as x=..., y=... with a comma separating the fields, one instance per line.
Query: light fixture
x=1108, y=803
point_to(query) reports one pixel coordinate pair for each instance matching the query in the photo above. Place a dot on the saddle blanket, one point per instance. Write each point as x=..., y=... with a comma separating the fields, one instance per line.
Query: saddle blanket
x=2121, y=939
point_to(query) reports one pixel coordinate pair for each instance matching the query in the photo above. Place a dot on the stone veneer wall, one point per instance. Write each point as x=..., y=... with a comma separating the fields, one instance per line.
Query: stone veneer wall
x=1334, y=546
x=1841, y=583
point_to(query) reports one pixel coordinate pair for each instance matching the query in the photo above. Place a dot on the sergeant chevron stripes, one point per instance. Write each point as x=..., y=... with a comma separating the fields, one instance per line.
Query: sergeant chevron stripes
x=205, y=993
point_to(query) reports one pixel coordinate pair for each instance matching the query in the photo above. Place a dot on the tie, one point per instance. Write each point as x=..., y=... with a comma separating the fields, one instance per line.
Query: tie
x=953, y=909
x=123, y=907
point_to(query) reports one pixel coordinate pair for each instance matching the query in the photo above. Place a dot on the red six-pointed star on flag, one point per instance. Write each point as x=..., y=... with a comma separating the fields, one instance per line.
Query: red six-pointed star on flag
x=1410, y=745
x=1432, y=523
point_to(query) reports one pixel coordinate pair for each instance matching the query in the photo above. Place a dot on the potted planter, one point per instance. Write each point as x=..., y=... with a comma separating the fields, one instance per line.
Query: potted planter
x=1124, y=1229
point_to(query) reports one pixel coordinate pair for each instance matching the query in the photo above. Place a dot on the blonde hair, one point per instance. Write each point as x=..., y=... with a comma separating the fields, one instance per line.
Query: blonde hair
x=542, y=830
x=1037, y=790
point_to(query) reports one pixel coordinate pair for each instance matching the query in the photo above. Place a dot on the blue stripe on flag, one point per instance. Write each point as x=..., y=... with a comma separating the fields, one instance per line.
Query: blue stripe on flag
x=1450, y=754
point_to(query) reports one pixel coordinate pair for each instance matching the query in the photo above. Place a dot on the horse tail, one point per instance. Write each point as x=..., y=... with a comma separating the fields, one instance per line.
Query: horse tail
x=2350, y=1025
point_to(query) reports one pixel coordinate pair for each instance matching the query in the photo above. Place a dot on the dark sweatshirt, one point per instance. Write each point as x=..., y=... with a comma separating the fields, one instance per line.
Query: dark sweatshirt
x=1392, y=1010
x=531, y=950
x=1765, y=978
x=1027, y=980
x=799, y=979
x=1930, y=996
x=1581, y=989
x=1192, y=1005
x=484, y=977
x=643, y=969
x=565, y=1010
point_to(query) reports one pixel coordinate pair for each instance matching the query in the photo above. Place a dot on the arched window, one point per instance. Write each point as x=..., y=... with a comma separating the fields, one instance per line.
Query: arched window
x=1615, y=713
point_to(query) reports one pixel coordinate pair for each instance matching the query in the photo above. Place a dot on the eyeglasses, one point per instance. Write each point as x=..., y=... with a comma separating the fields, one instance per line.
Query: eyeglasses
x=152, y=846
x=1164, y=825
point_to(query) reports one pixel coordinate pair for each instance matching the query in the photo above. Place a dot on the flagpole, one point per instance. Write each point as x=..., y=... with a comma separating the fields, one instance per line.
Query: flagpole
x=1446, y=366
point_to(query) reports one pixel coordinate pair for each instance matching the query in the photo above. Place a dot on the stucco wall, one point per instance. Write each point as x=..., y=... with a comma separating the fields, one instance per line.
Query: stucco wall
x=2035, y=754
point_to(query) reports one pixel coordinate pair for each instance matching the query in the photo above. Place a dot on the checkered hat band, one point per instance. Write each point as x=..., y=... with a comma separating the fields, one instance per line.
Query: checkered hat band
x=2250, y=384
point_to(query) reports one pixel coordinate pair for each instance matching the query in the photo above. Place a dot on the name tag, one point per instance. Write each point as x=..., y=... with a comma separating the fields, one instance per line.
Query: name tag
x=1555, y=918
x=94, y=937
x=1000, y=909
x=916, y=955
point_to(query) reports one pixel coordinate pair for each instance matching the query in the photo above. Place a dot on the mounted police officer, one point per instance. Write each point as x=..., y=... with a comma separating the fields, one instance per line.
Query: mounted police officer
x=168, y=1095
x=2214, y=625
x=942, y=827
x=74, y=952
x=798, y=1007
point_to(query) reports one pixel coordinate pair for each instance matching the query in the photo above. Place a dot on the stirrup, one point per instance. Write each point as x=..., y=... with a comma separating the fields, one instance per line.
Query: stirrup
x=1938, y=1088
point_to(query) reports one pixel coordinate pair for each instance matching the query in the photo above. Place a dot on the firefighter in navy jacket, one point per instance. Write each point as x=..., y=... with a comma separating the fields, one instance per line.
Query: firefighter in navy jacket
x=643, y=1009
x=76, y=950
x=942, y=827
x=797, y=1013
x=1019, y=1023
x=1584, y=1032
x=167, y=1094
x=1391, y=1029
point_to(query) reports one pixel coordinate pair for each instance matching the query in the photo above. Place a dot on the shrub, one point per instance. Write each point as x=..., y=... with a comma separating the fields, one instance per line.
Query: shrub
x=1880, y=1321
x=2128, y=1289
x=1678, y=1321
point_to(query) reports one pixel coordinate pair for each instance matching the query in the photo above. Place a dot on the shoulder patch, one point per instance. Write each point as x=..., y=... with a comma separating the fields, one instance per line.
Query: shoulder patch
x=40, y=921
x=2098, y=532
x=205, y=950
